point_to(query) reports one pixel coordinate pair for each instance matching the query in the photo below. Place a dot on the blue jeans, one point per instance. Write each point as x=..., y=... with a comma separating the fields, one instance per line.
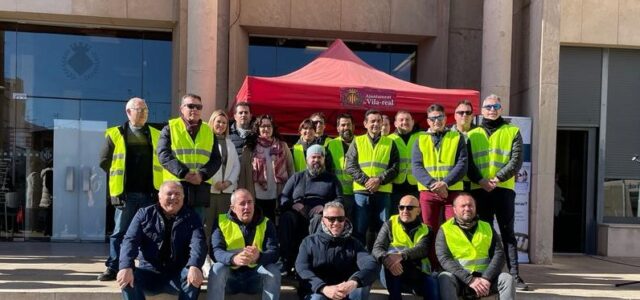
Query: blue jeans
x=361, y=293
x=411, y=280
x=223, y=279
x=374, y=207
x=153, y=283
x=122, y=218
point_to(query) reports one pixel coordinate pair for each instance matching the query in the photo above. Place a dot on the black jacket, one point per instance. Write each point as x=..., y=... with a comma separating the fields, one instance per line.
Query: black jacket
x=455, y=174
x=510, y=169
x=496, y=254
x=311, y=191
x=353, y=168
x=327, y=260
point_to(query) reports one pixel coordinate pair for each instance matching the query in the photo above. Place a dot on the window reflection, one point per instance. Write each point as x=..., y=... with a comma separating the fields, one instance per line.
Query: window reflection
x=279, y=56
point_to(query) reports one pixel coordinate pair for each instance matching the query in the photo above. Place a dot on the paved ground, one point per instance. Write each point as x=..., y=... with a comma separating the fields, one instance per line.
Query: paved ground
x=68, y=271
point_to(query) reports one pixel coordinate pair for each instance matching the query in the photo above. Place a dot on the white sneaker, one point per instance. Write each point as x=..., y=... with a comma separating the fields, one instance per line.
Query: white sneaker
x=206, y=267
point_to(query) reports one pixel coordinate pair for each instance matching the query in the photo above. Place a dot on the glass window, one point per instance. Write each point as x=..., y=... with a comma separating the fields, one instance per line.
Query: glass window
x=279, y=56
x=156, y=70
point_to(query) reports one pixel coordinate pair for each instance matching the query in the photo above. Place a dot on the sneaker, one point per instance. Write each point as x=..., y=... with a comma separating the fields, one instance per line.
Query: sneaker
x=206, y=267
x=108, y=275
x=520, y=284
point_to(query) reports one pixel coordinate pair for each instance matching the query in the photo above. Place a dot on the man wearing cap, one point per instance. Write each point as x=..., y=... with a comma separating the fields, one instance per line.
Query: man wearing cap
x=372, y=161
x=189, y=153
x=129, y=157
x=301, y=201
x=495, y=158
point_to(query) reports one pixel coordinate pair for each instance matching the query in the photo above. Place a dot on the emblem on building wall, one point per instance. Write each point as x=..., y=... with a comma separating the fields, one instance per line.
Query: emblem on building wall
x=80, y=61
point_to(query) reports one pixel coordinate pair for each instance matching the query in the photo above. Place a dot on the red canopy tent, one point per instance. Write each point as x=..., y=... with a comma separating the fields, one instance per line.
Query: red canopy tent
x=338, y=81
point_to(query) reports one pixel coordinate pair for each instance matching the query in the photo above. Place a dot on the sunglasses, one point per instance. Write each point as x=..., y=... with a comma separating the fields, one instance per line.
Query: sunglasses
x=436, y=118
x=339, y=219
x=194, y=106
x=406, y=207
x=464, y=112
x=493, y=106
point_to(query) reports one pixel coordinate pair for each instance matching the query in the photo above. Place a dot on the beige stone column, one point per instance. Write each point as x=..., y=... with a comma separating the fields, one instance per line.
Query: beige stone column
x=202, y=35
x=496, y=49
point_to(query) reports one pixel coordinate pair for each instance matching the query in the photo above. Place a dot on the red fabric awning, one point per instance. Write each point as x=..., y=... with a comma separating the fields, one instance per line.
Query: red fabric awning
x=339, y=81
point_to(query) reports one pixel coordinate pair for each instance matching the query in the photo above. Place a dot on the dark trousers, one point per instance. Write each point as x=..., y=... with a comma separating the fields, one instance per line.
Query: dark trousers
x=293, y=228
x=501, y=203
x=268, y=207
x=152, y=283
x=411, y=280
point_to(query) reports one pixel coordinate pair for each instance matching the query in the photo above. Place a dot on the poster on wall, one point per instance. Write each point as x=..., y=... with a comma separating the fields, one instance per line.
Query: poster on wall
x=523, y=189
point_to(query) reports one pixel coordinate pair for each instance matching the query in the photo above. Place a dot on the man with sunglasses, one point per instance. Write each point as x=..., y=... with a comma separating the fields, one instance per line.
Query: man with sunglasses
x=402, y=247
x=318, y=120
x=189, y=153
x=495, y=156
x=331, y=263
x=372, y=161
x=464, y=117
x=404, y=138
x=439, y=161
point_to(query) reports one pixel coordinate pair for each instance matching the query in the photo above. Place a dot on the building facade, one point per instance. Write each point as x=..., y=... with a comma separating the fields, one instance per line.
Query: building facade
x=69, y=67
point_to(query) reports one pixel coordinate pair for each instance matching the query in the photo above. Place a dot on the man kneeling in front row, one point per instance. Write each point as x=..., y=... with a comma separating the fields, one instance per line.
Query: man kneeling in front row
x=245, y=248
x=471, y=255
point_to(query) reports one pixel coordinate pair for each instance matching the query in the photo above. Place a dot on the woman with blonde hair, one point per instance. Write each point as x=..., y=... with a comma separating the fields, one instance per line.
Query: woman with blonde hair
x=225, y=181
x=266, y=165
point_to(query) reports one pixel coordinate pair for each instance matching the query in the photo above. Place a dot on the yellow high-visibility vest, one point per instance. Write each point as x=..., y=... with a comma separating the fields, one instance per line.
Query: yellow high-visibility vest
x=193, y=154
x=472, y=255
x=438, y=162
x=339, y=166
x=299, y=159
x=373, y=160
x=233, y=235
x=492, y=153
x=404, y=151
x=401, y=240
x=118, y=165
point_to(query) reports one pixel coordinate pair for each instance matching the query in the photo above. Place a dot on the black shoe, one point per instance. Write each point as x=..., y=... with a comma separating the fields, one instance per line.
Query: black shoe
x=107, y=275
x=520, y=284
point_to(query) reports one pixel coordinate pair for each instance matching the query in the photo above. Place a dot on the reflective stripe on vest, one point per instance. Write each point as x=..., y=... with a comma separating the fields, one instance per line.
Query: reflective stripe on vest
x=438, y=162
x=299, y=159
x=373, y=161
x=404, y=151
x=118, y=165
x=492, y=153
x=401, y=240
x=233, y=235
x=472, y=255
x=193, y=154
x=339, y=166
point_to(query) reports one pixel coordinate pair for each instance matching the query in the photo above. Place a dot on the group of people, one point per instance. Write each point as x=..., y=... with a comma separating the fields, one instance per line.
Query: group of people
x=230, y=201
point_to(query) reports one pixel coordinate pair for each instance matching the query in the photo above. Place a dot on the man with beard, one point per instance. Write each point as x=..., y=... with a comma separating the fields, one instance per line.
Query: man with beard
x=471, y=256
x=335, y=160
x=332, y=264
x=241, y=127
x=495, y=157
x=301, y=201
x=404, y=138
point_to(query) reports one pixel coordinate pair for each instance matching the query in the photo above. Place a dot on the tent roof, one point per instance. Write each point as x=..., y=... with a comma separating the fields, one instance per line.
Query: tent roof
x=319, y=86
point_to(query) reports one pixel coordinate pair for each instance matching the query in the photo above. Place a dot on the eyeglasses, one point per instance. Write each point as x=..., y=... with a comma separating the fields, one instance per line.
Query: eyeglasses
x=464, y=112
x=406, y=207
x=266, y=126
x=493, y=106
x=339, y=219
x=436, y=118
x=139, y=109
x=194, y=106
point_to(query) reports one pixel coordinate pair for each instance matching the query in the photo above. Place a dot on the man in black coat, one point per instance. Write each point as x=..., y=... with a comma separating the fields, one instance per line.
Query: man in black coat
x=332, y=263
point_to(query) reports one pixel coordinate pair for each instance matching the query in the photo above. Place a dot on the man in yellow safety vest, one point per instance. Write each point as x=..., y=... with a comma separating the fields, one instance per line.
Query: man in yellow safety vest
x=135, y=175
x=404, y=137
x=336, y=162
x=471, y=256
x=189, y=153
x=495, y=157
x=245, y=248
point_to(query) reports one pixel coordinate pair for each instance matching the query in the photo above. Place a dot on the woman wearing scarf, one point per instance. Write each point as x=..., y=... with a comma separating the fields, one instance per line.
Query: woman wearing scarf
x=265, y=165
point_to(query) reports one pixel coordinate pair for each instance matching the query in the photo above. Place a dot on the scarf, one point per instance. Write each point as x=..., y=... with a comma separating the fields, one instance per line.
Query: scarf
x=192, y=128
x=346, y=232
x=492, y=125
x=467, y=225
x=259, y=162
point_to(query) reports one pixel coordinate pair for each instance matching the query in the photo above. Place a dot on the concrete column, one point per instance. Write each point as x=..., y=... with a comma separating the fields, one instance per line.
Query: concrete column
x=496, y=49
x=433, y=52
x=202, y=51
